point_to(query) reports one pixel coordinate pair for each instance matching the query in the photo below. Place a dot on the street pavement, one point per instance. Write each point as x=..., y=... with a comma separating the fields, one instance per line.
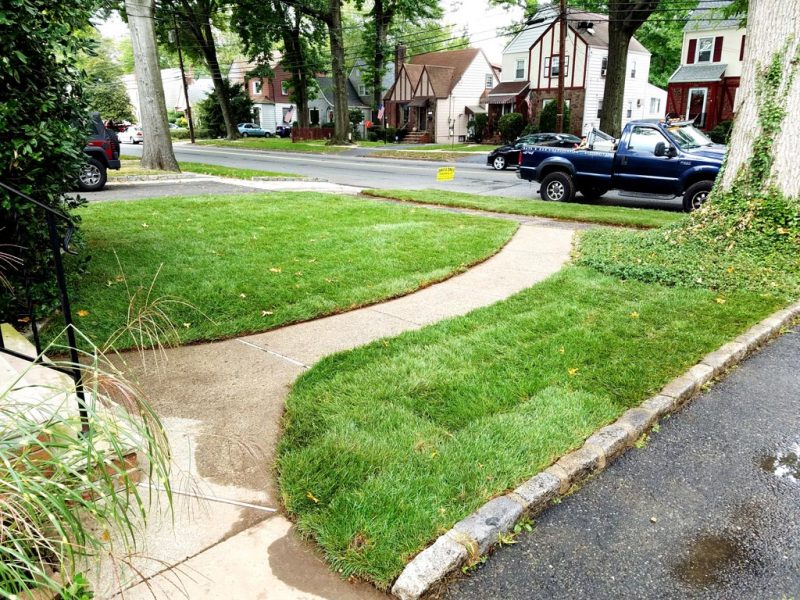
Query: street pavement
x=709, y=508
x=472, y=174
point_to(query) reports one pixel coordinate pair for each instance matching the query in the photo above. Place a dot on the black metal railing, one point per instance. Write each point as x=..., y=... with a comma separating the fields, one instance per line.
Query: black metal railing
x=59, y=245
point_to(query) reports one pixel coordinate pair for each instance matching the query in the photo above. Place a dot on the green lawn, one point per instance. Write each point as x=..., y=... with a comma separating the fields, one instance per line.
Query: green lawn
x=453, y=147
x=276, y=144
x=387, y=446
x=253, y=262
x=571, y=211
x=130, y=166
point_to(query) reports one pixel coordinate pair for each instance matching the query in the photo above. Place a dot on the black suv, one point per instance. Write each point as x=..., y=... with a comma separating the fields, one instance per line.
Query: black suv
x=102, y=149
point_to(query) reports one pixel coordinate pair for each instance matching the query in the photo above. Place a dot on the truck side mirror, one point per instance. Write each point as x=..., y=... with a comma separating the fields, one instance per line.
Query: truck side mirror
x=660, y=149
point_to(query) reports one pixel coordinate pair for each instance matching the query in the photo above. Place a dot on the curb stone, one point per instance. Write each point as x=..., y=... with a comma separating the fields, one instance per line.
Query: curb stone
x=481, y=529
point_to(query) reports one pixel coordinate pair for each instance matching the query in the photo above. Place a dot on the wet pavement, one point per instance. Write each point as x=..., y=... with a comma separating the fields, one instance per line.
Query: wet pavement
x=708, y=508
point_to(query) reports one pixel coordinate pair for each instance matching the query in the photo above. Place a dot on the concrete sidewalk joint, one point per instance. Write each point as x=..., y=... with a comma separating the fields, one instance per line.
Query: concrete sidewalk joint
x=480, y=530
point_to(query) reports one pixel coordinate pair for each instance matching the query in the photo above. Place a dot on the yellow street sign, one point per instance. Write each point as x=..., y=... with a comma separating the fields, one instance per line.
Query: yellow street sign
x=446, y=174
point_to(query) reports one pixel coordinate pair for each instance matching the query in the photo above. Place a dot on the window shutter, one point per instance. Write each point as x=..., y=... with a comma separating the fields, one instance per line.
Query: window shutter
x=741, y=50
x=718, y=49
x=692, y=52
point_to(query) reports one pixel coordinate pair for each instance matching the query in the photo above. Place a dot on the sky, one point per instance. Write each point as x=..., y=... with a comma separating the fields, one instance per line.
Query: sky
x=479, y=18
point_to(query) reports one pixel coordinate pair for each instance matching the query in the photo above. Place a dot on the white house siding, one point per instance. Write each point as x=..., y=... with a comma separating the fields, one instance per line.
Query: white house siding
x=731, y=48
x=267, y=116
x=467, y=92
x=548, y=46
x=509, y=72
x=638, y=91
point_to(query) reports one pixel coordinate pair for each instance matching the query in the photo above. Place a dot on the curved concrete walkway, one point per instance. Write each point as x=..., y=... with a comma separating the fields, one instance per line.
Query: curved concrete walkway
x=222, y=404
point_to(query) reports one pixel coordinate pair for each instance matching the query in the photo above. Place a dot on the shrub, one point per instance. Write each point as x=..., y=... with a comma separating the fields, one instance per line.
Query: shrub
x=211, y=114
x=547, y=118
x=477, y=126
x=43, y=123
x=329, y=125
x=529, y=129
x=179, y=135
x=390, y=133
x=373, y=136
x=721, y=133
x=510, y=126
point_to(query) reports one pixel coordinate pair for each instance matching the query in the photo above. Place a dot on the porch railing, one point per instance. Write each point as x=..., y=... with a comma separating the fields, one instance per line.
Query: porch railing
x=58, y=245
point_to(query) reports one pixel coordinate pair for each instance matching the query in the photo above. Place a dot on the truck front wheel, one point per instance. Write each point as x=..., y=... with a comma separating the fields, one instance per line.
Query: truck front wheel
x=696, y=195
x=557, y=187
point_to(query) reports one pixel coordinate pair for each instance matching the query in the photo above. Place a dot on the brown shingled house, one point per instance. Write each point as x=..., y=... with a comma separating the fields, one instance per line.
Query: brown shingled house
x=433, y=93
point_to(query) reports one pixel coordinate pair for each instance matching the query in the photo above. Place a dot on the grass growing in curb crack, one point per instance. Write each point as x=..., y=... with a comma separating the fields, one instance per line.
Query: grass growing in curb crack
x=253, y=262
x=570, y=211
x=391, y=444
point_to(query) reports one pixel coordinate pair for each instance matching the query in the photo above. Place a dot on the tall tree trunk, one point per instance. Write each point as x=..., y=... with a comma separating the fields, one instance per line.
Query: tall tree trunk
x=295, y=57
x=220, y=89
x=340, y=109
x=614, y=93
x=157, y=152
x=382, y=18
x=771, y=31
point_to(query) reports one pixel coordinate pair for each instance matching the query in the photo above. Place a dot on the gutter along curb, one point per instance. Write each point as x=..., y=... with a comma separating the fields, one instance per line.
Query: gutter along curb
x=476, y=534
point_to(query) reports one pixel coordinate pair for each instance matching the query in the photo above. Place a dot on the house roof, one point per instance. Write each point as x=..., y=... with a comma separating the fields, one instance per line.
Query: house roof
x=692, y=73
x=414, y=72
x=326, y=90
x=526, y=38
x=509, y=87
x=708, y=16
x=457, y=61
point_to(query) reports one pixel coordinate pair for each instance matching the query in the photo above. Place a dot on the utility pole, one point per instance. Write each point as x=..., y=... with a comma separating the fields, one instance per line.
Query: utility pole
x=561, y=44
x=183, y=79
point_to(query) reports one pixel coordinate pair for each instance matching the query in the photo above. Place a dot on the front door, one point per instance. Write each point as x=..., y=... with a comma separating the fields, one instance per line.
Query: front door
x=696, y=106
x=422, y=118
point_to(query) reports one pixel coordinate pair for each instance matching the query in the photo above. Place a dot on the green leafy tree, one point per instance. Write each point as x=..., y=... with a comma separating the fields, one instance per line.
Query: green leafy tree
x=103, y=88
x=241, y=110
x=510, y=126
x=42, y=132
x=547, y=118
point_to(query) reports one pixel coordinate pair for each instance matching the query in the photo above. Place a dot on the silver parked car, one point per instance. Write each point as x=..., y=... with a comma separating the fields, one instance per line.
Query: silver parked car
x=131, y=135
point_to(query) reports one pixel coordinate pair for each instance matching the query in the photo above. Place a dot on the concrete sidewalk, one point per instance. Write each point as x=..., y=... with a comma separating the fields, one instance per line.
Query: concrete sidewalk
x=222, y=404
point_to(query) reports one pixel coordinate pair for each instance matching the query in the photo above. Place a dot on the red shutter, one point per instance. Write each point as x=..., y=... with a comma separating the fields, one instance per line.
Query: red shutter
x=692, y=51
x=741, y=50
x=718, y=49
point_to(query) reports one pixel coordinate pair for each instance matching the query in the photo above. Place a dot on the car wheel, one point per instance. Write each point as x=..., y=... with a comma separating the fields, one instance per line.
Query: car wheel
x=696, y=195
x=499, y=163
x=590, y=194
x=557, y=187
x=93, y=176
x=244, y=134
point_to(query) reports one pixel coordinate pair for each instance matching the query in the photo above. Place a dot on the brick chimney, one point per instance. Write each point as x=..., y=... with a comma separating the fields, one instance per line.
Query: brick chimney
x=399, y=58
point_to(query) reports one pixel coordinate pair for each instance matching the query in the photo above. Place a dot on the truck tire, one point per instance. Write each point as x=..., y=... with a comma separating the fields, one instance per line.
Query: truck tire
x=590, y=194
x=93, y=176
x=696, y=195
x=557, y=187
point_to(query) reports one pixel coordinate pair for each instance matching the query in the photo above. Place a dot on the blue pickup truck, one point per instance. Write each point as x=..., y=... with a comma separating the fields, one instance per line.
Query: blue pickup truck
x=656, y=158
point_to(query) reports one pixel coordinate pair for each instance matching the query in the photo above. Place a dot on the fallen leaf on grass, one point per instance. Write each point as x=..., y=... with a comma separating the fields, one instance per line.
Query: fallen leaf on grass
x=572, y=372
x=720, y=300
x=275, y=270
x=83, y=313
x=311, y=497
x=266, y=313
x=634, y=315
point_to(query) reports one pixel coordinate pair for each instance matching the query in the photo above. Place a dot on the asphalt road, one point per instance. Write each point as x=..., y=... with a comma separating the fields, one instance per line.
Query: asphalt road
x=710, y=508
x=472, y=174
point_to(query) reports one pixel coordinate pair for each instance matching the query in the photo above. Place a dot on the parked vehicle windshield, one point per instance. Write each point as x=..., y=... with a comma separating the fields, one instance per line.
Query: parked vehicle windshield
x=688, y=137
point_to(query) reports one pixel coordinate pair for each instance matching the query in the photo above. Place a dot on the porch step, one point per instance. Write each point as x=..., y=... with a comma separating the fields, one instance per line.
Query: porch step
x=417, y=137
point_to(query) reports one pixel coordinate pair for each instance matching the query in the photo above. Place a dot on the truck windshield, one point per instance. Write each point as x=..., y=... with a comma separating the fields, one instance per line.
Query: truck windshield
x=688, y=137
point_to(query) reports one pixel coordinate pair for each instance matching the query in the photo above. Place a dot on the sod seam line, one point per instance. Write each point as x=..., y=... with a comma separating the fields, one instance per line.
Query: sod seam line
x=480, y=531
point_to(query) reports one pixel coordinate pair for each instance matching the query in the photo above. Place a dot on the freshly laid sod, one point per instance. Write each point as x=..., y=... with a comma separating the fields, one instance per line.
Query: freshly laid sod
x=572, y=211
x=253, y=262
x=130, y=166
x=389, y=445
x=277, y=144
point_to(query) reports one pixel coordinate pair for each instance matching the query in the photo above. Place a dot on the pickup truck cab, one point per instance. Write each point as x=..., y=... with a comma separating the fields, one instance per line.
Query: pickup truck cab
x=657, y=158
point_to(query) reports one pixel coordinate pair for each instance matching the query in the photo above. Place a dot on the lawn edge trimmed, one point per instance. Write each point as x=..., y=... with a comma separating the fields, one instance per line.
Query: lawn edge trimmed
x=376, y=193
x=482, y=530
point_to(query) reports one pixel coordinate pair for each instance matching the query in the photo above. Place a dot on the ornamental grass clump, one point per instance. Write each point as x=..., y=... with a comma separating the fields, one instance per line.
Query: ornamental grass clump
x=65, y=494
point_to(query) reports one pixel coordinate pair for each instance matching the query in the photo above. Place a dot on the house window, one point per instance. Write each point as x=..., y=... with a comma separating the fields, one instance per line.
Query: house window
x=655, y=106
x=520, y=71
x=604, y=67
x=551, y=66
x=600, y=109
x=362, y=89
x=638, y=103
x=629, y=112
x=705, y=47
x=257, y=86
x=489, y=82
x=285, y=88
x=314, y=116
x=633, y=70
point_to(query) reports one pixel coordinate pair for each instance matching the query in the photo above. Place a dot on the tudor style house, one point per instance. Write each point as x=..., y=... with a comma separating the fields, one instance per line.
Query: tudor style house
x=434, y=94
x=704, y=87
x=531, y=68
